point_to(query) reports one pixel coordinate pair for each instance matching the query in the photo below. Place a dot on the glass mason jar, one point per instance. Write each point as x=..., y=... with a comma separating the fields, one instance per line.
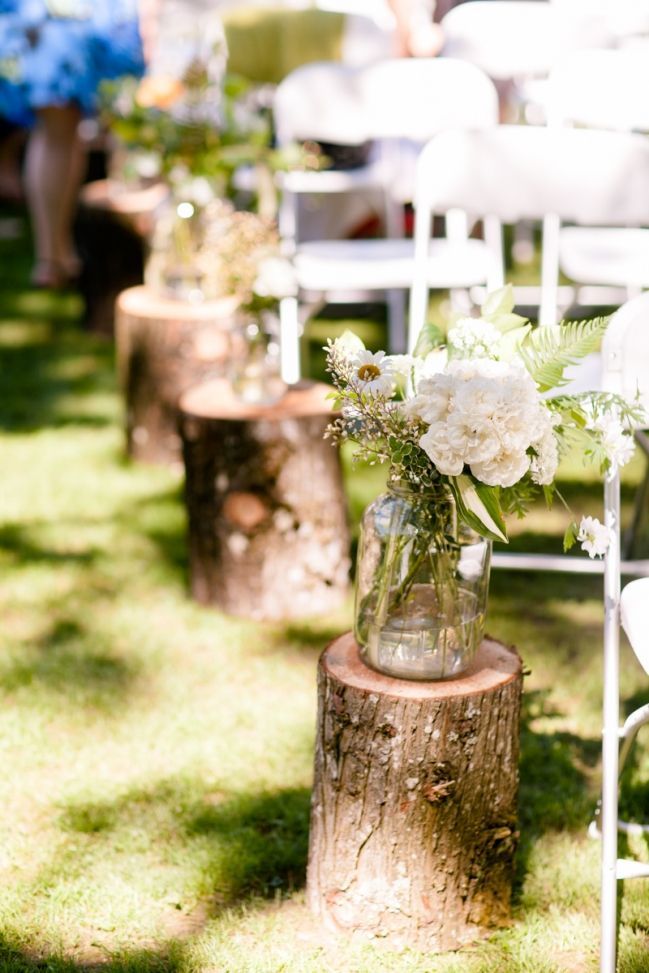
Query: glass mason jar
x=421, y=585
x=175, y=267
x=255, y=370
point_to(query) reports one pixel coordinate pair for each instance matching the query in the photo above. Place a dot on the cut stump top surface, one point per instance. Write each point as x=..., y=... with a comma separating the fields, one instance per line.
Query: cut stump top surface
x=111, y=195
x=216, y=400
x=494, y=666
x=143, y=302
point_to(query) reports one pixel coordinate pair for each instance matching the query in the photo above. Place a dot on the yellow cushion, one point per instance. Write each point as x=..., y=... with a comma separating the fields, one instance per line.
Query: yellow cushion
x=267, y=43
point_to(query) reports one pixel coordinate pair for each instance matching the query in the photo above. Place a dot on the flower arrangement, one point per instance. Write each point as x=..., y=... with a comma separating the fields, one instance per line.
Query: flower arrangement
x=179, y=129
x=473, y=429
x=195, y=131
x=483, y=415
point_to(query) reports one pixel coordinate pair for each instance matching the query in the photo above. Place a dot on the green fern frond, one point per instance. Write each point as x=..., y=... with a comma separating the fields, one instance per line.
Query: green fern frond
x=547, y=351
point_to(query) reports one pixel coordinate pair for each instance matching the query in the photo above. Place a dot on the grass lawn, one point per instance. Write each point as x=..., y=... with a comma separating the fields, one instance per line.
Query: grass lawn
x=157, y=756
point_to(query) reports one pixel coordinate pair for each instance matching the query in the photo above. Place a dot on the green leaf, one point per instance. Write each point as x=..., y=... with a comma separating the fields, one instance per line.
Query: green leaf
x=547, y=351
x=430, y=337
x=479, y=506
x=349, y=343
x=497, y=302
x=570, y=536
x=510, y=342
x=507, y=322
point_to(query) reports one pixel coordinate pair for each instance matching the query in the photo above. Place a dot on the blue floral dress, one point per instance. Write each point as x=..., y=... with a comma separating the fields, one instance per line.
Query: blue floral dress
x=56, y=52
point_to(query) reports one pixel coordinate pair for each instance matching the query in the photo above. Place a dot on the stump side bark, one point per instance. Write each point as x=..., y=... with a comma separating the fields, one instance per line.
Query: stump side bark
x=413, y=815
x=165, y=347
x=112, y=227
x=267, y=512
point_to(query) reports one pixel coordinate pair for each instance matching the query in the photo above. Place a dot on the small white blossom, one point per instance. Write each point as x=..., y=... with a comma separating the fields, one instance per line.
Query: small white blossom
x=544, y=463
x=372, y=373
x=594, y=537
x=473, y=338
x=199, y=191
x=275, y=278
x=616, y=441
x=147, y=165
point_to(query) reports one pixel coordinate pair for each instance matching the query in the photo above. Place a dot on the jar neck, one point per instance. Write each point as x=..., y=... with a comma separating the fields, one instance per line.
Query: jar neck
x=402, y=487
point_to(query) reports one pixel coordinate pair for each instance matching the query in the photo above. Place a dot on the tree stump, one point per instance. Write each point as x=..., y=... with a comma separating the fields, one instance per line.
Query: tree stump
x=268, y=536
x=112, y=226
x=413, y=814
x=165, y=347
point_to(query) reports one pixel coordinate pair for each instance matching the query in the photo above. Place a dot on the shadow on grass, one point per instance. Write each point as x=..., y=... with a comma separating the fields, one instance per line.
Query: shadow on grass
x=54, y=381
x=17, y=540
x=15, y=958
x=556, y=787
x=256, y=843
x=72, y=663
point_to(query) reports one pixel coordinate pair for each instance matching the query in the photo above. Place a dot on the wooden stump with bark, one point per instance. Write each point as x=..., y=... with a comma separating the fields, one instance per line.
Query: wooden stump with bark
x=112, y=227
x=268, y=534
x=413, y=815
x=165, y=347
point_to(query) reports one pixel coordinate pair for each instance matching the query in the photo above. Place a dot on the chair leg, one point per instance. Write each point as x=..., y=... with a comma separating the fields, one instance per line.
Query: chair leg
x=610, y=733
x=289, y=341
x=396, y=300
x=549, y=270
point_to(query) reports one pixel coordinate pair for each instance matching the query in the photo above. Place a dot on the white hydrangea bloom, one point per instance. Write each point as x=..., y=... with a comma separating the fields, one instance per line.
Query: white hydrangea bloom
x=484, y=414
x=504, y=469
x=594, y=537
x=372, y=373
x=474, y=338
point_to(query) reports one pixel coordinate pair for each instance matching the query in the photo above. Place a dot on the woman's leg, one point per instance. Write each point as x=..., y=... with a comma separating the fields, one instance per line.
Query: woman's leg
x=11, y=144
x=53, y=172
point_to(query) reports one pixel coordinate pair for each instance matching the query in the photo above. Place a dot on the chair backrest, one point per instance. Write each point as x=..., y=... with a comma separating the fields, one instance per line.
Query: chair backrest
x=517, y=172
x=392, y=98
x=320, y=101
x=601, y=89
x=625, y=351
x=517, y=38
x=623, y=19
x=634, y=615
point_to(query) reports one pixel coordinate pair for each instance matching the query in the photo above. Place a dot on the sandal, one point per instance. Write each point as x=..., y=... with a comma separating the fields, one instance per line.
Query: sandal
x=54, y=275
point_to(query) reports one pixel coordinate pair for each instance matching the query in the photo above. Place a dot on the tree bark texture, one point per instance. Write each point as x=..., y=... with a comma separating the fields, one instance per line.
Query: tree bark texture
x=268, y=534
x=165, y=347
x=413, y=815
x=112, y=226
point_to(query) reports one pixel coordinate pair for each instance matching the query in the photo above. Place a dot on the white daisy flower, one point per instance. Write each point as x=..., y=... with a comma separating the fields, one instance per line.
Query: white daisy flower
x=372, y=373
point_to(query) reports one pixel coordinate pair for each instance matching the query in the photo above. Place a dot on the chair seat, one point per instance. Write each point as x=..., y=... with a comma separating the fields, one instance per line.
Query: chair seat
x=597, y=255
x=584, y=376
x=333, y=180
x=377, y=264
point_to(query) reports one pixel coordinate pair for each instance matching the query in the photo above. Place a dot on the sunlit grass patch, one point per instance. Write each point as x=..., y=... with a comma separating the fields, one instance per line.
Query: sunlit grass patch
x=157, y=756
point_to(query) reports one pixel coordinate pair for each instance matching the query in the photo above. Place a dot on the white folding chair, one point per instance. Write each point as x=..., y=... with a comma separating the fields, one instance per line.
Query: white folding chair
x=517, y=41
x=604, y=89
x=393, y=102
x=631, y=609
x=626, y=367
x=623, y=20
x=520, y=172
